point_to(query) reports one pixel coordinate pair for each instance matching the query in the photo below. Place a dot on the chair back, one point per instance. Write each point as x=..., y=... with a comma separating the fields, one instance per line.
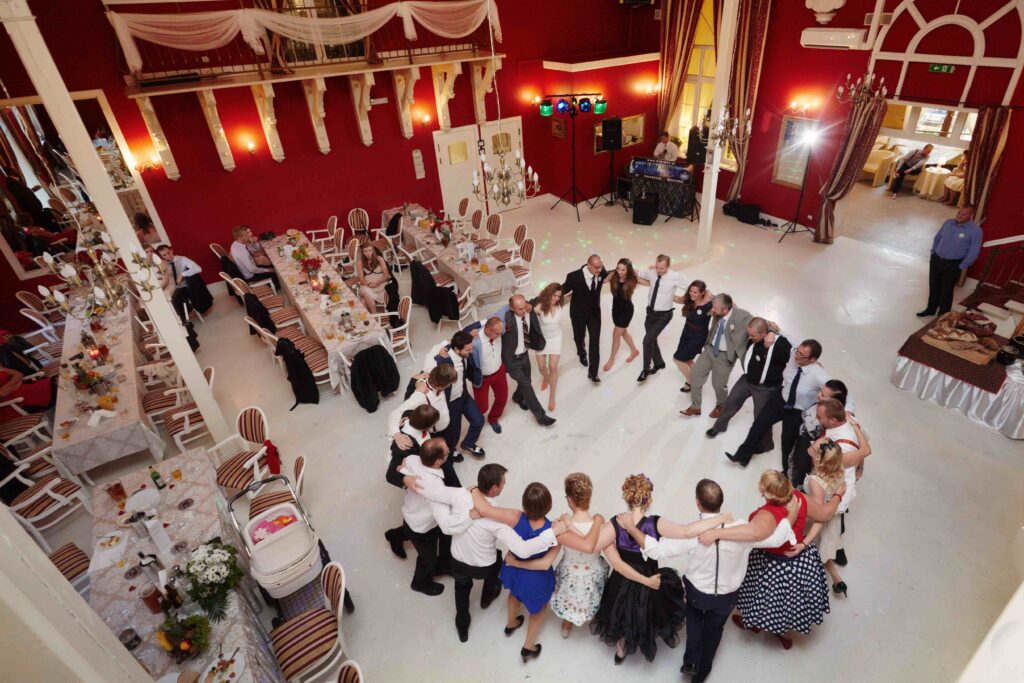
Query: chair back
x=520, y=234
x=465, y=298
x=526, y=250
x=478, y=217
x=494, y=225
x=218, y=250
x=30, y=300
x=404, y=307
x=463, y=207
x=353, y=250
x=252, y=425
x=300, y=473
x=332, y=225
x=332, y=580
x=338, y=237
x=39, y=320
x=358, y=220
x=241, y=286
x=254, y=325
x=350, y=672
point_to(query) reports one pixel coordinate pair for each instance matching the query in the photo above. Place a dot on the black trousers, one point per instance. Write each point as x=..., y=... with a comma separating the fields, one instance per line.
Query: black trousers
x=178, y=300
x=943, y=275
x=259, y=278
x=433, y=555
x=654, y=323
x=773, y=412
x=464, y=575
x=800, y=461
x=706, y=616
x=519, y=369
x=897, y=178
x=581, y=327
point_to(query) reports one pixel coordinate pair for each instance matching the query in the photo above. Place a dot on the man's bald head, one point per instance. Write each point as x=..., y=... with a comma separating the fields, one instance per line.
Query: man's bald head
x=517, y=302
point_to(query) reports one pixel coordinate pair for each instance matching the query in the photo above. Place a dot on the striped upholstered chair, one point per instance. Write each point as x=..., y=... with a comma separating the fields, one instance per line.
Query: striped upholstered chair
x=24, y=430
x=241, y=458
x=51, y=313
x=489, y=241
x=281, y=314
x=46, y=502
x=350, y=672
x=522, y=270
x=265, y=500
x=73, y=563
x=323, y=238
x=476, y=221
x=358, y=222
x=511, y=254
x=311, y=349
x=184, y=423
x=312, y=644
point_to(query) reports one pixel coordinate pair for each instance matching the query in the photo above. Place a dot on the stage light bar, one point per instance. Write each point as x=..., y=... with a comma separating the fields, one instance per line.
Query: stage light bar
x=586, y=105
x=563, y=106
x=546, y=108
x=600, y=105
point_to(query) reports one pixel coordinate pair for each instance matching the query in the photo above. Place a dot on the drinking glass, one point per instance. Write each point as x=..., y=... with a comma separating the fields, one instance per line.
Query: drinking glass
x=176, y=474
x=116, y=492
x=151, y=597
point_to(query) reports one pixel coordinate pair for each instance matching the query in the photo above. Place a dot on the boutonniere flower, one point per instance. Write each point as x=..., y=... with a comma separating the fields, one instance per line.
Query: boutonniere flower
x=731, y=327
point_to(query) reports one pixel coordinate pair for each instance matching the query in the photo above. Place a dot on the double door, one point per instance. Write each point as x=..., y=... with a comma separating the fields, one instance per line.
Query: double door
x=457, y=151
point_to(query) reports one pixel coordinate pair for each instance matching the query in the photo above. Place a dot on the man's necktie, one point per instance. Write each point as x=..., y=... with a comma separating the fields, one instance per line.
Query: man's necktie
x=593, y=283
x=654, y=291
x=716, y=345
x=791, y=399
x=526, y=333
x=174, y=272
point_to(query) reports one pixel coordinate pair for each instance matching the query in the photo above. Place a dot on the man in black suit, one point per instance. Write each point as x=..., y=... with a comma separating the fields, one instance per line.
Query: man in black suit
x=583, y=286
x=522, y=333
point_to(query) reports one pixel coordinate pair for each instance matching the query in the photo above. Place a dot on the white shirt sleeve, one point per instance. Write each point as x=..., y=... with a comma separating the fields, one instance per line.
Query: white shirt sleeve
x=783, y=533
x=450, y=505
x=243, y=259
x=667, y=548
x=520, y=548
x=430, y=362
x=395, y=417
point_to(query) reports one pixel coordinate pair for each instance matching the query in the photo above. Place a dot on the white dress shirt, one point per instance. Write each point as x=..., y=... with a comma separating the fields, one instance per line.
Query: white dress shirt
x=812, y=379
x=670, y=282
x=715, y=569
x=490, y=355
x=477, y=545
x=588, y=277
x=521, y=346
x=669, y=151
x=183, y=267
x=846, y=438
x=458, y=361
x=243, y=259
x=444, y=508
x=417, y=399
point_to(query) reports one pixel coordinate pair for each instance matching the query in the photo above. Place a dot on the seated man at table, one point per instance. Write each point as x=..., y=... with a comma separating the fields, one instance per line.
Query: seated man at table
x=666, y=150
x=244, y=251
x=184, y=282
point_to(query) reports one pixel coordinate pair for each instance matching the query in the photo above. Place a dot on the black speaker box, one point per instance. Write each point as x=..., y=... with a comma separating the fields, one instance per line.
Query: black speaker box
x=696, y=151
x=611, y=134
x=645, y=209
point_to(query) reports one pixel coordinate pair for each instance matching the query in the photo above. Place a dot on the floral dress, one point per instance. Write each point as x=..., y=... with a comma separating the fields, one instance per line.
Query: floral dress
x=579, y=582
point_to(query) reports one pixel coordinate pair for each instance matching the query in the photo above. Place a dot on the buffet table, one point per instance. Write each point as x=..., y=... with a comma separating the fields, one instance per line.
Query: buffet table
x=194, y=511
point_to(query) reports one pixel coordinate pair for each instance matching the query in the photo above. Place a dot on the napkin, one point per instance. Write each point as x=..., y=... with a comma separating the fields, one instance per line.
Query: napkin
x=98, y=415
x=107, y=557
x=159, y=535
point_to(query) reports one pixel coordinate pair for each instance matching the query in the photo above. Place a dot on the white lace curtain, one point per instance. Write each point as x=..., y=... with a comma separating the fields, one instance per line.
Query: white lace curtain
x=199, y=31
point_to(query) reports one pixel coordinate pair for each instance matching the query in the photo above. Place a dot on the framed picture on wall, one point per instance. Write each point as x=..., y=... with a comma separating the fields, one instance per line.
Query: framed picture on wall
x=632, y=133
x=791, y=154
x=558, y=128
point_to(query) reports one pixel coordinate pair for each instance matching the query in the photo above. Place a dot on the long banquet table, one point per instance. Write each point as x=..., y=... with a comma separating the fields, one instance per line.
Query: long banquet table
x=115, y=596
x=78, y=447
x=320, y=323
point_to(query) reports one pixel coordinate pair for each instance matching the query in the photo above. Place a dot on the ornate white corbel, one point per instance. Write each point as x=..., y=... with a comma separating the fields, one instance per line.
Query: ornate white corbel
x=264, y=96
x=209, y=105
x=314, y=89
x=156, y=133
x=824, y=10
x=482, y=79
x=361, y=84
x=405, y=81
x=444, y=76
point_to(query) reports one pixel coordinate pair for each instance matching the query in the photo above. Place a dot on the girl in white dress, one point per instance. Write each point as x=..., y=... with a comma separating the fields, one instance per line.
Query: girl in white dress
x=549, y=313
x=820, y=486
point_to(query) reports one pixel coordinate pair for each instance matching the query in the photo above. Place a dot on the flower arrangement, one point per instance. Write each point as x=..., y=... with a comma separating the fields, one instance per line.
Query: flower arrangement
x=86, y=380
x=328, y=287
x=184, y=638
x=299, y=253
x=213, y=572
x=310, y=265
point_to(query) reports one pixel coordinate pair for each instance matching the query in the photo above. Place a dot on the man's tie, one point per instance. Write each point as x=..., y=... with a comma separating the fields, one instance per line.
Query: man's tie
x=791, y=399
x=526, y=333
x=654, y=291
x=174, y=272
x=716, y=344
x=593, y=283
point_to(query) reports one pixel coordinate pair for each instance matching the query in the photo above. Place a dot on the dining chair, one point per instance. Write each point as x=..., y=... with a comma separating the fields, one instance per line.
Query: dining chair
x=184, y=423
x=521, y=270
x=265, y=500
x=26, y=430
x=156, y=402
x=324, y=244
x=399, y=335
x=358, y=221
x=493, y=226
x=312, y=351
x=218, y=251
x=39, y=460
x=281, y=314
x=312, y=645
x=511, y=254
x=350, y=672
x=241, y=458
x=73, y=563
x=51, y=332
x=53, y=314
x=476, y=221
x=467, y=310
x=45, y=503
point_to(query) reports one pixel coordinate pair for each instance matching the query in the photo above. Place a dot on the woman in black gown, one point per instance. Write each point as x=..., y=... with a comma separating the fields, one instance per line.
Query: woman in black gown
x=622, y=281
x=697, y=311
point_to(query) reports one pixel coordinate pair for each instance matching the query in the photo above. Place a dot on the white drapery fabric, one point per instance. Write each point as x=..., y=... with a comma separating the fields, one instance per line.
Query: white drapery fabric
x=1003, y=411
x=199, y=31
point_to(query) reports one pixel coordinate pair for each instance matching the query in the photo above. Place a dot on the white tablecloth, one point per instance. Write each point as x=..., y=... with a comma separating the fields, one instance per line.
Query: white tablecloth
x=931, y=182
x=1003, y=411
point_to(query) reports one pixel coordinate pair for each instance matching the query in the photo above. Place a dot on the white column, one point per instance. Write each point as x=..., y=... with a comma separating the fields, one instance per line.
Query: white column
x=49, y=85
x=720, y=95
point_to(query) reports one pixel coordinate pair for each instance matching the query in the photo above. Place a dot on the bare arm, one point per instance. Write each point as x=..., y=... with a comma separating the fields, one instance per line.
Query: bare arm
x=611, y=553
x=540, y=564
x=670, y=529
x=584, y=544
x=760, y=528
x=856, y=458
x=506, y=516
x=820, y=511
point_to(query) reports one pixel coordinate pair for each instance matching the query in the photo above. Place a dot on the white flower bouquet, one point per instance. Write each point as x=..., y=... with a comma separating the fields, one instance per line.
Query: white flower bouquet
x=213, y=572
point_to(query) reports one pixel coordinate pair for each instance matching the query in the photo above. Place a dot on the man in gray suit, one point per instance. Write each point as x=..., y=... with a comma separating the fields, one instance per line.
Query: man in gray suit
x=727, y=341
x=522, y=333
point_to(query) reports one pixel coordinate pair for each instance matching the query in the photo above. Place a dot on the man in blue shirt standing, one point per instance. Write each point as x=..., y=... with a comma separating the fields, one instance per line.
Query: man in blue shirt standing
x=954, y=249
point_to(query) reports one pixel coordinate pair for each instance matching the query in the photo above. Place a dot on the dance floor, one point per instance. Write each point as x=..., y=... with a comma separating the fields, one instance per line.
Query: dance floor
x=927, y=538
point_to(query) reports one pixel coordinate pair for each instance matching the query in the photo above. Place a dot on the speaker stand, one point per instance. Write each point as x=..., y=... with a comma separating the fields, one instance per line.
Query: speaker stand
x=570, y=195
x=793, y=227
x=612, y=194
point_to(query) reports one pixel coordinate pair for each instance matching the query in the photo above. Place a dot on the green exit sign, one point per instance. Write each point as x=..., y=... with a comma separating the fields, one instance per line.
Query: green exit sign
x=941, y=68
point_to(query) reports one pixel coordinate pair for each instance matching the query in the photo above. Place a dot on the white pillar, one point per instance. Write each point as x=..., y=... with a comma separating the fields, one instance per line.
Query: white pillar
x=720, y=95
x=28, y=41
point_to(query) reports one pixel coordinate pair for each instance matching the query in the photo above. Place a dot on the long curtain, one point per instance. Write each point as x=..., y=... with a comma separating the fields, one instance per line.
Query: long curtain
x=862, y=128
x=985, y=154
x=752, y=30
x=678, y=30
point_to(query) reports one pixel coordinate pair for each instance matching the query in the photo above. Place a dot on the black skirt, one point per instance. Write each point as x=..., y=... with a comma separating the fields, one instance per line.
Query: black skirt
x=637, y=615
x=781, y=594
x=622, y=311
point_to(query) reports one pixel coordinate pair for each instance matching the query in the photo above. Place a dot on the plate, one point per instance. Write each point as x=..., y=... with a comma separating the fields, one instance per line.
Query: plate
x=232, y=672
x=109, y=541
x=146, y=499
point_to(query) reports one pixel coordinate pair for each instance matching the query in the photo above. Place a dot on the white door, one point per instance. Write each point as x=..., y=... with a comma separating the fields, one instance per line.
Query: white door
x=508, y=138
x=457, y=159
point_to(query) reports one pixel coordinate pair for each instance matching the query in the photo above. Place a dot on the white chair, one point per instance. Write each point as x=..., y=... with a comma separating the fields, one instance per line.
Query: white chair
x=460, y=218
x=324, y=244
x=266, y=499
x=522, y=270
x=399, y=335
x=218, y=251
x=467, y=310
x=53, y=314
x=51, y=332
x=45, y=503
x=73, y=563
x=511, y=254
x=241, y=458
x=311, y=646
x=476, y=222
x=312, y=350
x=156, y=402
x=26, y=430
x=350, y=672
x=281, y=314
x=490, y=242
x=184, y=423
x=358, y=221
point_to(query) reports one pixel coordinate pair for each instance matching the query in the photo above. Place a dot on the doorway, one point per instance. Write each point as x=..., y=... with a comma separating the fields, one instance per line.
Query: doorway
x=457, y=161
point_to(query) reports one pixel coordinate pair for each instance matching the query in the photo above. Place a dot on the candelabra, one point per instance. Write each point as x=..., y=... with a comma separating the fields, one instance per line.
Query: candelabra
x=862, y=91
x=103, y=284
x=727, y=131
x=506, y=185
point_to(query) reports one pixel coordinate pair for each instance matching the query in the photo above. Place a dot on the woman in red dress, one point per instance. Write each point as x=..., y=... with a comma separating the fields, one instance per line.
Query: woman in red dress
x=35, y=396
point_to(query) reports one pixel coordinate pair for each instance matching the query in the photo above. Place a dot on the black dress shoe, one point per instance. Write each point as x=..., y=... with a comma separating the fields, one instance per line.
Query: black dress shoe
x=583, y=359
x=545, y=420
x=643, y=376
x=736, y=459
x=657, y=366
x=618, y=659
x=457, y=457
x=527, y=654
x=519, y=622
x=925, y=314
x=463, y=632
x=688, y=670
x=433, y=588
x=594, y=378
x=396, y=543
x=486, y=600
x=711, y=433
x=475, y=451
x=841, y=557
x=840, y=588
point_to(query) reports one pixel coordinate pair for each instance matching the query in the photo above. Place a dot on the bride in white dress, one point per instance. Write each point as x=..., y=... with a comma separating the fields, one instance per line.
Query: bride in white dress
x=549, y=313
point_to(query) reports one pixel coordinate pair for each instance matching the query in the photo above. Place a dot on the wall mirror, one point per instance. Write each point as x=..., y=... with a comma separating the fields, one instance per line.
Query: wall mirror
x=793, y=151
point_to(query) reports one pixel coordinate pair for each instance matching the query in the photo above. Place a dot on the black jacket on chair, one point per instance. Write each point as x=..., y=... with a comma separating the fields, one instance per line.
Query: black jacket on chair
x=255, y=309
x=373, y=374
x=443, y=303
x=228, y=266
x=391, y=288
x=422, y=283
x=585, y=303
x=198, y=294
x=299, y=375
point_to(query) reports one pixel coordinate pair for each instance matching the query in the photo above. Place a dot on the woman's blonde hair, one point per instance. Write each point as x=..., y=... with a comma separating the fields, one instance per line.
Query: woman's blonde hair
x=637, y=490
x=579, y=489
x=775, y=488
x=830, y=465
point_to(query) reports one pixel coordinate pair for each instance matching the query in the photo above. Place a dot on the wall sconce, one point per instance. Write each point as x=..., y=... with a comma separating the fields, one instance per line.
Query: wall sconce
x=537, y=100
x=425, y=120
x=801, y=107
x=653, y=89
x=251, y=146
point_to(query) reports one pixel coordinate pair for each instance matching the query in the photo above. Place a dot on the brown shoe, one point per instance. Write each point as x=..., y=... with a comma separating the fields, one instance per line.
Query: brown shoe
x=690, y=411
x=716, y=412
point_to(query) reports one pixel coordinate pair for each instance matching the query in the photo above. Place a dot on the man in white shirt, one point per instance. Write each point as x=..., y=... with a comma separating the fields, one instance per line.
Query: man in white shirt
x=666, y=150
x=417, y=425
x=240, y=254
x=713, y=576
x=430, y=391
x=493, y=375
x=660, y=307
x=832, y=416
x=459, y=354
x=182, y=280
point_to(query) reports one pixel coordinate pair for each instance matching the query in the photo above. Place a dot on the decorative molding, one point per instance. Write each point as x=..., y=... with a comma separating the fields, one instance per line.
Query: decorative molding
x=156, y=133
x=482, y=82
x=361, y=84
x=405, y=82
x=601, y=63
x=209, y=105
x=444, y=76
x=824, y=10
x=314, y=89
x=263, y=94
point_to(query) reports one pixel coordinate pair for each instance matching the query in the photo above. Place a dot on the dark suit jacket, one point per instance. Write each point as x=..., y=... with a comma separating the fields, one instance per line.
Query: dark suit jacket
x=510, y=338
x=584, y=302
x=471, y=372
x=735, y=336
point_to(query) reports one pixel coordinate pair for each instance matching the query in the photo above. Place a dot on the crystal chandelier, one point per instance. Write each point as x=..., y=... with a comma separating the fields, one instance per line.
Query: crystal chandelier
x=727, y=130
x=506, y=185
x=863, y=91
x=104, y=284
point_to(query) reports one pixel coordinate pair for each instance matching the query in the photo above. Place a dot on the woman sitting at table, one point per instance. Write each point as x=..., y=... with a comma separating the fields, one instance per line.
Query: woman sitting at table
x=954, y=184
x=372, y=274
x=36, y=396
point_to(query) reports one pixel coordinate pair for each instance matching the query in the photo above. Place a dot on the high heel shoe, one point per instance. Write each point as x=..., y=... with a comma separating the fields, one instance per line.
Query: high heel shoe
x=786, y=642
x=618, y=659
x=527, y=654
x=513, y=629
x=840, y=588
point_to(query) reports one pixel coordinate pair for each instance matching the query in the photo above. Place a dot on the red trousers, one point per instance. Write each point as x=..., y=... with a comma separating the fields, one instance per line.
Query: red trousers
x=499, y=383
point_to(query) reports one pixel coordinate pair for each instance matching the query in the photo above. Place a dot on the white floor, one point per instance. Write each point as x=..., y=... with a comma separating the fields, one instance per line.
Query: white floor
x=928, y=539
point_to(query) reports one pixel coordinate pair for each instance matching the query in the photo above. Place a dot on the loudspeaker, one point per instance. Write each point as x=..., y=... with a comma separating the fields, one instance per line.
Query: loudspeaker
x=696, y=151
x=645, y=209
x=611, y=134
